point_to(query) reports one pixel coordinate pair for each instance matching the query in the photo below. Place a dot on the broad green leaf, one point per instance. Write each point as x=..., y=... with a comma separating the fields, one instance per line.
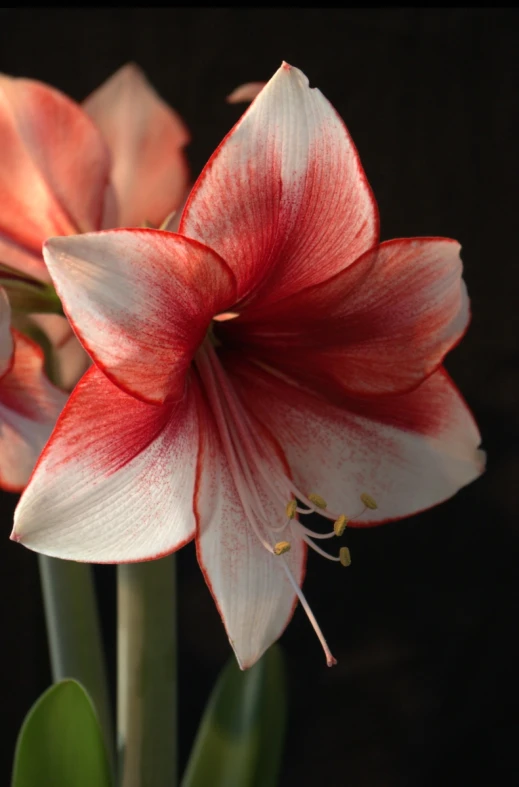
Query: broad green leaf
x=240, y=740
x=60, y=742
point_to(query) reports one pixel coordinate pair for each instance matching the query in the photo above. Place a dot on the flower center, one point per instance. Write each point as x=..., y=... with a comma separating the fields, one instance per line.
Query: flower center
x=261, y=481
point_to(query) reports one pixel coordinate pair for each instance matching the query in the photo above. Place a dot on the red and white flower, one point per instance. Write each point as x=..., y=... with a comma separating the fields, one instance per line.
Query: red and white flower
x=117, y=160
x=271, y=352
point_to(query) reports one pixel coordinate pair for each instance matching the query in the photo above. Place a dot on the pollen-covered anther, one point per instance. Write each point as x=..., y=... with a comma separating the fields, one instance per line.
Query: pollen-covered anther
x=281, y=547
x=339, y=526
x=368, y=501
x=317, y=500
x=291, y=508
x=344, y=556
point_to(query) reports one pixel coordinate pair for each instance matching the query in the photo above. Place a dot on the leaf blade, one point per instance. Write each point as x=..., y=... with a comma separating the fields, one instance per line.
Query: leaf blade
x=60, y=742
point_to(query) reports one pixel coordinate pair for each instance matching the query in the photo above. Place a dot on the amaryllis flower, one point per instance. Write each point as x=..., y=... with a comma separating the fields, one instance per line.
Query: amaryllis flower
x=64, y=169
x=271, y=359
x=29, y=404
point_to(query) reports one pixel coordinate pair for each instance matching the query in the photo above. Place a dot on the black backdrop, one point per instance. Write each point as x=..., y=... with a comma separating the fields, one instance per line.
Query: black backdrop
x=423, y=624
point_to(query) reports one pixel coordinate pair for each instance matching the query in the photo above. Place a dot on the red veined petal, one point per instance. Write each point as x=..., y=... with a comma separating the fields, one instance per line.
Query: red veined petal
x=249, y=585
x=284, y=199
x=54, y=171
x=115, y=482
x=141, y=301
x=29, y=406
x=146, y=138
x=409, y=451
x=380, y=326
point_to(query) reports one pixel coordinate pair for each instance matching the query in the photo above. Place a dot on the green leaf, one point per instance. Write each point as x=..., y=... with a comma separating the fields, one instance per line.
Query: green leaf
x=240, y=740
x=28, y=295
x=60, y=742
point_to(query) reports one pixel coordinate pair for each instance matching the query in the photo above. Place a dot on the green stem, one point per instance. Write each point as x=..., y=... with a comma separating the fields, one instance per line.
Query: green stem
x=74, y=635
x=147, y=674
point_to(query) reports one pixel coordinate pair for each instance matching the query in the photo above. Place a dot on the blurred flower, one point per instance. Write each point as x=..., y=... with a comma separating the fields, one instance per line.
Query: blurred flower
x=29, y=404
x=245, y=93
x=64, y=169
x=270, y=360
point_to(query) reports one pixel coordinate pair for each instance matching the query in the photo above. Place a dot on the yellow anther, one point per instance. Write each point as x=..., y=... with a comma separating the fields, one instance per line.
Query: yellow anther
x=368, y=501
x=317, y=500
x=344, y=556
x=281, y=547
x=340, y=525
x=291, y=508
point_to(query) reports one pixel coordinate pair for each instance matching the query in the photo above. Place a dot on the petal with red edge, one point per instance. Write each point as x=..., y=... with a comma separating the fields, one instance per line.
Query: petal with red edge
x=141, y=302
x=248, y=583
x=284, y=199
x=409, y=452
x=29, y=406
x=380, y=326
x=54, y=171
x=146, y=138
x=6, y=339
x=115, y=482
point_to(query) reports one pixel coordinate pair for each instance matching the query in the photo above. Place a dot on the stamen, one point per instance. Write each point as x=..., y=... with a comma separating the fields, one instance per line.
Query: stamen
x=340, y=525
x=317, y=500
x=344, y=556
x=368, y=501
x=319, y=550
x=291, y=508
x=330, y=660
x=281, y=547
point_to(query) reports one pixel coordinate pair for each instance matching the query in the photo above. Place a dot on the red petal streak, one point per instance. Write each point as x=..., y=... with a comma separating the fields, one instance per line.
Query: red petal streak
x=380, y=326
x=115, y=482
x=141, y=302
x=409, y=451
x=54, y=171
x=284, y=199
x=145, y=137
x=29, y=406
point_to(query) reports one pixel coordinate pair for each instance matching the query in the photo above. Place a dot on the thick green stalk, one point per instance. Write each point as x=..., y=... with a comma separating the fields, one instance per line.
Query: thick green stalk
x=74, y=635
x=147, y=674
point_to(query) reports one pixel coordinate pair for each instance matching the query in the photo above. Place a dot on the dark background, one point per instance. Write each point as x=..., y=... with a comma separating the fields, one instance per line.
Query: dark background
x=424, y=622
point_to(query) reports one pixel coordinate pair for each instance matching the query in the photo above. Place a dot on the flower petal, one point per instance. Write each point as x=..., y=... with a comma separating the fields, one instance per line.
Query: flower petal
x=146, y=138
x=245, y=93
x=141, y=301
x=6, y=339
x=115, y=482
x=284, y=198
x=54, y=171
x=248, y=583
x=380, y=326
x=29, y=406
x=409, y=452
